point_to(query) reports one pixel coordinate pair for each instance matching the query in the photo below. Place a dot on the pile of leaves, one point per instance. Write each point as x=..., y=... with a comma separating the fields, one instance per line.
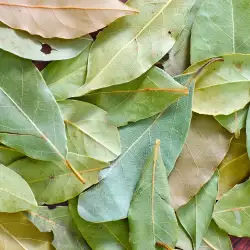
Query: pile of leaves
x=141, y=130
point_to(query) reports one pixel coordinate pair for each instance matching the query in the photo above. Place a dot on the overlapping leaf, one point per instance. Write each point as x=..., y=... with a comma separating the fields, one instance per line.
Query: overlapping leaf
x=52, y=183
x=222, y=80
x=110, y=199
x=196, y=215
x=231, y=213
x=151, y=217
x=9, y=155
x=205, y=148
x=58, y=221
x=123, y=52
x=50, y=18
x=142, y=98
x=89, y=132
x=18, y=233
x=110, y=235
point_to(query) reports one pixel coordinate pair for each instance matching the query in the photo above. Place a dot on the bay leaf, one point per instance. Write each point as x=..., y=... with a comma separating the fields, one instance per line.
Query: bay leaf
x=65, y=77
x=59, y=221
x=179, y=56
x=52, y=183
x=151, y=217
x=234, y=122
x=139, y=99
x=18, y=233
x=8, y=155
x=16, y=194
x=50, y=18
x=184, y=241
x=196, y=215
x=112, y=235
x=219, y=83
x=218, y=29
x=110, y=199
x=31, y=47
x=89, y=132
x=109, y=63
x=217, y=239
x=206, y=146
x=235, y=168
x=231, y=212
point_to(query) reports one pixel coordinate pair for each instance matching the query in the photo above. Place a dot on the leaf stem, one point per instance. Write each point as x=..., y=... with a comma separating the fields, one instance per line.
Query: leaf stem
x=165, y=246
x=77, y=174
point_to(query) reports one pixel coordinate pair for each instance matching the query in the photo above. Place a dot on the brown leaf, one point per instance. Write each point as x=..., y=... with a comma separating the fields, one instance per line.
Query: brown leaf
x=64, y=19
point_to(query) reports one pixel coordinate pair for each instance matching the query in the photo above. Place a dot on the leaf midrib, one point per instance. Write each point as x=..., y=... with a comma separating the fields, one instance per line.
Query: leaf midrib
x=223, y=83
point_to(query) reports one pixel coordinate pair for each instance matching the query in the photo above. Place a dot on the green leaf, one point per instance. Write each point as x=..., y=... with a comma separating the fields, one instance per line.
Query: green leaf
x=18, y=233
x=231, y=212
x=234, y=122
x=28, y=46
x=151, y=217
x=219, y=29
x=222, y=80
x=112, y=235
x=196, y=215
x=16, y=194
x=123, y=51
x=89, y=132
x=184, y=241
x=216, y=238
x=65, y=77
x=179, y=56
x=52, y=183
x=235, y=168
x=119, y=182
x=31, y=121
x=206, y=146
x=59, y=221
x=142, y=98
x=8, y=155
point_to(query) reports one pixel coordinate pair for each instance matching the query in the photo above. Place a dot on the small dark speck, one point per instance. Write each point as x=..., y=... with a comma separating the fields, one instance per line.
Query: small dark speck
x=170, y=33
x=46, y=49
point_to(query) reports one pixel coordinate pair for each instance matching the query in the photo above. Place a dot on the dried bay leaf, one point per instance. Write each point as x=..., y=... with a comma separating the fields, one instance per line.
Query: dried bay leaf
x=18, y=233
x=196, y=215
x=220, y=81
x=235, y=168
x=16, y=194
x=27, y=46
x=63, y=19
x=9, y=155
x=139, y=99
x=184, y=241
x=65, y=77
x=112, y=235
x=89, y=132
x=59, y=221
x=109, y=63
x=110, y=199
x=218, y=29
x=151, y=217
x=231, y=212
x=52, y=183
x=205, y=148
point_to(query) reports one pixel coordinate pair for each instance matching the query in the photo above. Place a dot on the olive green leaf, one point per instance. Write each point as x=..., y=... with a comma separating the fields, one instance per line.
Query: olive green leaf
x=37, y=48
x=235, y=168
x=221, y=27
x=9, y=155
x=89, y=132
x=219, y=83
x=18, y=233
x=196, y=215
x=248, y=132
x=231, y=212
x=234, y=122
x=151, y=217
x=130, y=46
x=142, y=98
x=206, y=146
x=65, y=77
x=119, y=182
x=52, y=183
x=217, y=239
x=179, y=56
x=16, y=194
x=59, y=221
x=112, y=235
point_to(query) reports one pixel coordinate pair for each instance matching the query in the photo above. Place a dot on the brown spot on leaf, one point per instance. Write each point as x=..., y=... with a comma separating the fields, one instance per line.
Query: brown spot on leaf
x=239, y=66
x=46, y=49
